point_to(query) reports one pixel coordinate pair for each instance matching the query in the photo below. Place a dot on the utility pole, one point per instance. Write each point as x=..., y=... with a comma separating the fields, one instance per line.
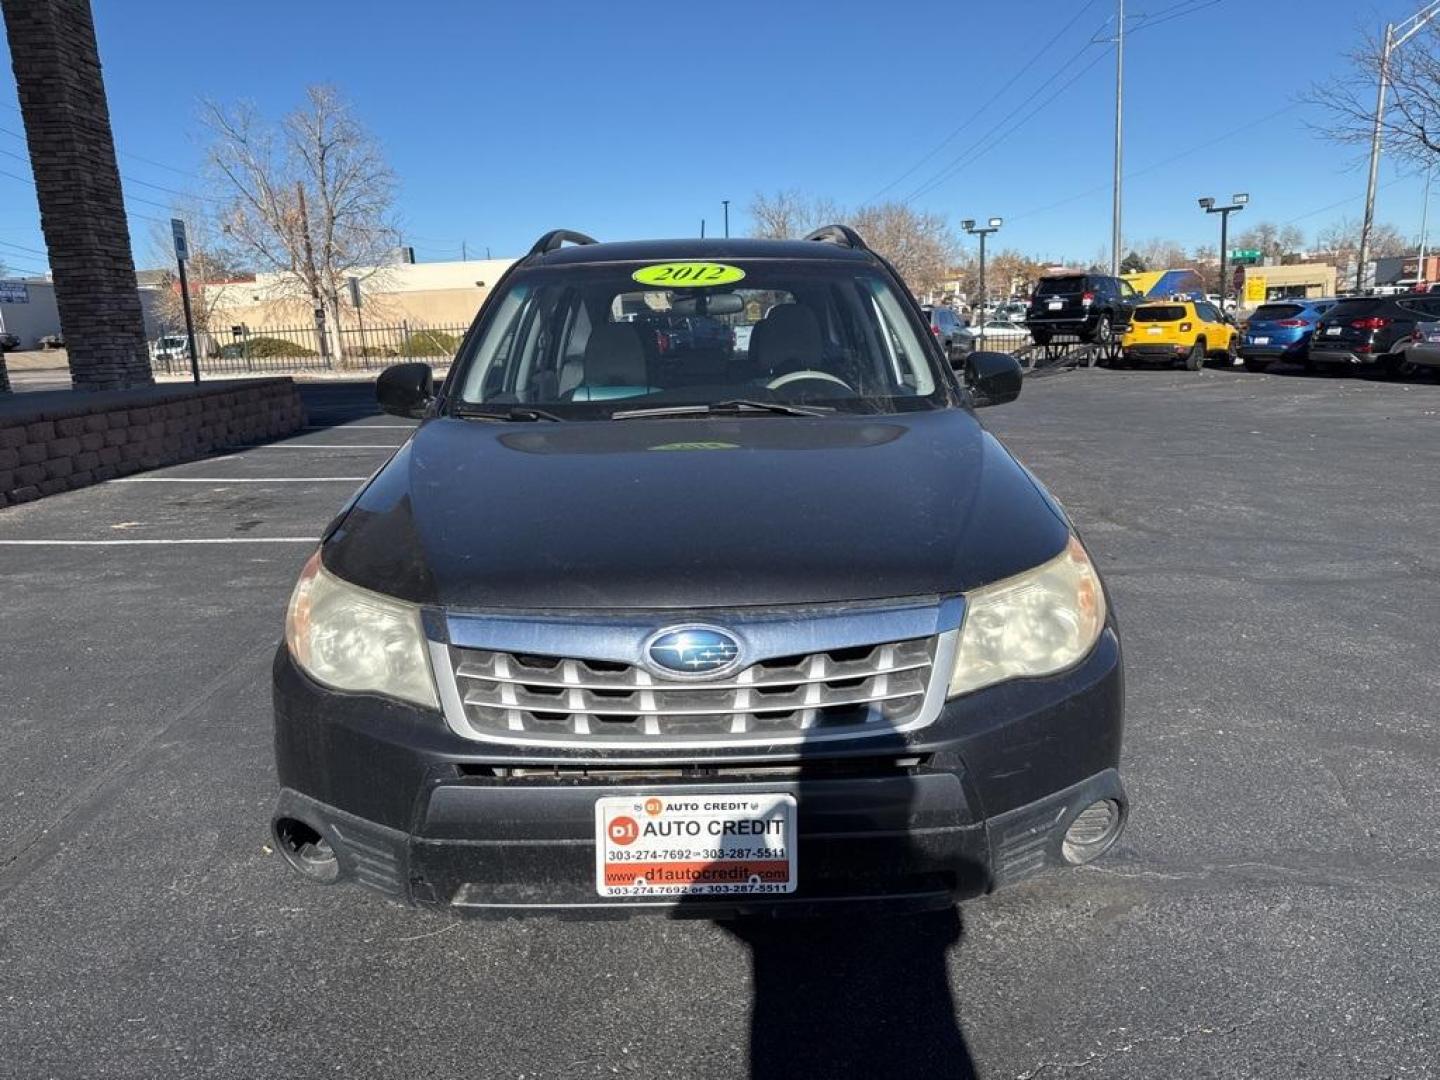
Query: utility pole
x=1119, y=136
x=1237, y=203
x=1395, y=36
x=1421, y=277
x=311, y=274
x=969, y=226
x=464, y=252
x=702, y=228
x=726, y=203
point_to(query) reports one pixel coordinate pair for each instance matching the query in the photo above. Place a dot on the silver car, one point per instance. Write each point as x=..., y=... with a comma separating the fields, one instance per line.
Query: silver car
x=1423, y=346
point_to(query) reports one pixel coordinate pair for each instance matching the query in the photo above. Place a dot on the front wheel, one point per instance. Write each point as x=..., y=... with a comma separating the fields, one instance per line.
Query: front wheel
x=1195, y=358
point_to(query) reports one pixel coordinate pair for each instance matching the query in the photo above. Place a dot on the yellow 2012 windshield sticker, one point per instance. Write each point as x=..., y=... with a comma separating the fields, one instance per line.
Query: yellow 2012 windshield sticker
x=688, y=274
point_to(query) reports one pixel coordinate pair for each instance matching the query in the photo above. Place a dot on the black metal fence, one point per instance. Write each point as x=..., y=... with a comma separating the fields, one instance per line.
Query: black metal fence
x=240, y=350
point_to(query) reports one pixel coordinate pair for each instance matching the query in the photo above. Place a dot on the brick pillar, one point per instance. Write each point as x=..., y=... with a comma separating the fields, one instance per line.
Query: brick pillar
x=72, y=152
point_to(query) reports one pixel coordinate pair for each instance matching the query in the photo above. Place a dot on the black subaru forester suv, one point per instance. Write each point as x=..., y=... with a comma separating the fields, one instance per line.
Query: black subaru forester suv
x=772, y=628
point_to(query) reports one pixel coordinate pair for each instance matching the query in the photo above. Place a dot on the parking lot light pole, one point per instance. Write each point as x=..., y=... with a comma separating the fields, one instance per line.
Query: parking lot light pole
x=969, y=226
x=1237, y=202
x=726, y=203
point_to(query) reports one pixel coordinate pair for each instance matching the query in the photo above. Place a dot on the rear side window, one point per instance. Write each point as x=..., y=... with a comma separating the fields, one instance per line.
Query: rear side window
x=1160, y=313
x=1060, y=286
x=1267, y=312
x=1356, y=309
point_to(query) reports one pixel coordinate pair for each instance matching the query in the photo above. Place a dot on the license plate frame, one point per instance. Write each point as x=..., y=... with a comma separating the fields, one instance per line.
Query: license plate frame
x=653, y=846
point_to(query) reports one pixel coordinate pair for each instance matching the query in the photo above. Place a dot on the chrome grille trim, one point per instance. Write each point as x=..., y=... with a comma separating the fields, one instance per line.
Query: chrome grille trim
x=569, y=700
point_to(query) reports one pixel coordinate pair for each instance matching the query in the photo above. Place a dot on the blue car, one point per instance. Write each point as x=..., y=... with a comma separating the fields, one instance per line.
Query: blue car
x=1281, y=331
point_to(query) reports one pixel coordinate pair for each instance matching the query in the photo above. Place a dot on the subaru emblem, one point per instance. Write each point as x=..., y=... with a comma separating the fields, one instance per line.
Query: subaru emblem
x=692, y=652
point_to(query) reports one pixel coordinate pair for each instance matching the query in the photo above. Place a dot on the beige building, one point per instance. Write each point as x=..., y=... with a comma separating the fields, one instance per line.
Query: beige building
x=1300, y=281
x=434, y=294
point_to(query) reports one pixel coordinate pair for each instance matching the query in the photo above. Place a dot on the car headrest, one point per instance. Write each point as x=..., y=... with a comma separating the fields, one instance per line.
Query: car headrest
x=614, y=356
x=787, y=339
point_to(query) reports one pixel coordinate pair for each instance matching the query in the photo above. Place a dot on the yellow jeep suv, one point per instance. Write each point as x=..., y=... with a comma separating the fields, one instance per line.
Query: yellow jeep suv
x=1179, y=330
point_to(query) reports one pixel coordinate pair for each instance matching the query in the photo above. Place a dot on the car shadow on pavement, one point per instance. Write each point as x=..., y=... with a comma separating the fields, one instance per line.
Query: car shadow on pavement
x=860, y=992
x=855, y=997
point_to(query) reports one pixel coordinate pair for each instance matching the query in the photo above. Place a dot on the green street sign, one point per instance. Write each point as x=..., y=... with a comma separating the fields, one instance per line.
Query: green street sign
x=1244, y=253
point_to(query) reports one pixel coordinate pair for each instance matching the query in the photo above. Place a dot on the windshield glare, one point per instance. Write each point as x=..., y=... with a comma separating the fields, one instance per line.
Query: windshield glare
x=583, y=341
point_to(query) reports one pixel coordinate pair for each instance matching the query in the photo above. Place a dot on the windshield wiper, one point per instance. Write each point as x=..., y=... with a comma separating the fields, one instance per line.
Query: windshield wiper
x=735, y=407
x=504, y=413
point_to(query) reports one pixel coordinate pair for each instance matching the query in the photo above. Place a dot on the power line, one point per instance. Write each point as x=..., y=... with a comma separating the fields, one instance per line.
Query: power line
x=1131, y=174
x=974, y=153
x=990, y=101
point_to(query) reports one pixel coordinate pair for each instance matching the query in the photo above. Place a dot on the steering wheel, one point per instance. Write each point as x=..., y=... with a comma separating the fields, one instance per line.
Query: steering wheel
x=807, y=374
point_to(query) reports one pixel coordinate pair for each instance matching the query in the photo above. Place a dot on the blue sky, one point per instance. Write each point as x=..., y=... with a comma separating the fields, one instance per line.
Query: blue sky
x=628, y=120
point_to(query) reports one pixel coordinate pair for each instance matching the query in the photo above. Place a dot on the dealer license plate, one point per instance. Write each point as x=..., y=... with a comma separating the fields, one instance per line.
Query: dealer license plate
x=1260, y=341
x=1152, y=329
x=1056, y=305
x=1332, y=331
x=694, y=845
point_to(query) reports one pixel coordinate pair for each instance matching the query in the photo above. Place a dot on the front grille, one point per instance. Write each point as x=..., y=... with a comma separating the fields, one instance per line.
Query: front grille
x=567, y=700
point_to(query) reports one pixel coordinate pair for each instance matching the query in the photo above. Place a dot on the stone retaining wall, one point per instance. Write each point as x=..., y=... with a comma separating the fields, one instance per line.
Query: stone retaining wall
x=51, y=442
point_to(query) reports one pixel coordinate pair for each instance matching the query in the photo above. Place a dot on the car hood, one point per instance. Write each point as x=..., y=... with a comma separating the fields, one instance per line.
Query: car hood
x=694, y=513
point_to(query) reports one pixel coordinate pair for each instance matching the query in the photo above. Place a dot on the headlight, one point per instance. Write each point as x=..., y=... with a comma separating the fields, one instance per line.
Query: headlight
x=353, y=639
x=1035, y=623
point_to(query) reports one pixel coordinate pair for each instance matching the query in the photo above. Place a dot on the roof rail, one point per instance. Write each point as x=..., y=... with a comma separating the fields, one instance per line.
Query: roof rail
x=555, y=237
x=838, y=234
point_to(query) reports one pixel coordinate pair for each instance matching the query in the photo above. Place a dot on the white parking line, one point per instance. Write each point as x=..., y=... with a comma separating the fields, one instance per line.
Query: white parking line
x=238, y=480
x=133, y=543
x=354, y=427
x=328, y=446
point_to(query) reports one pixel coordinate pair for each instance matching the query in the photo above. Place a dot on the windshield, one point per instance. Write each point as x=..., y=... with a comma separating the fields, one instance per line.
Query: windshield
x=1160, y=313
x=586, y=341
x=1276, y=311
x=1362, y=308
x=1060, y=286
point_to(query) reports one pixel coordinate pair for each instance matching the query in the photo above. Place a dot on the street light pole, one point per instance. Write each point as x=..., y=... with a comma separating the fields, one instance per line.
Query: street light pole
x=726, y=203
x=1237, y=203
x=969, y=226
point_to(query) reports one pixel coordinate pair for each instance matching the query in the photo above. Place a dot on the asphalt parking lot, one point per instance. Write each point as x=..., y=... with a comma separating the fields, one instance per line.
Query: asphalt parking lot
x=1270, y=542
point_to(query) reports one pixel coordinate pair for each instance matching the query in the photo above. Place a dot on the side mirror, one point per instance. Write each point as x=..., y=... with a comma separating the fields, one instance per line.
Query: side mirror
x=405, y=389
x=993, y=378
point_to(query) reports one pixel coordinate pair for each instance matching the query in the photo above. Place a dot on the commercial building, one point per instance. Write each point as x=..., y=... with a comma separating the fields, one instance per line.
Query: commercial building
x=1306, y=280
x=419, y=294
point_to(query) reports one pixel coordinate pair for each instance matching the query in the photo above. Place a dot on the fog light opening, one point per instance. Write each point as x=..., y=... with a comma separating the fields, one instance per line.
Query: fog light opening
x=1092, y=832
x=306, y=850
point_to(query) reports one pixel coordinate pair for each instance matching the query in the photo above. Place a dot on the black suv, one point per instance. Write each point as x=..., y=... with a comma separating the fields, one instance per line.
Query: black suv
x=1093, y=307
x=1370, y=331
x=780, y=629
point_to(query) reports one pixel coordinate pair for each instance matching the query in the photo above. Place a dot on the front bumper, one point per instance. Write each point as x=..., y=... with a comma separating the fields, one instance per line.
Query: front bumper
x=979, y=799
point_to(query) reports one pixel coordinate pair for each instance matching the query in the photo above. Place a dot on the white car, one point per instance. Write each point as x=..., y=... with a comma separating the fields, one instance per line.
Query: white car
x=998, y=335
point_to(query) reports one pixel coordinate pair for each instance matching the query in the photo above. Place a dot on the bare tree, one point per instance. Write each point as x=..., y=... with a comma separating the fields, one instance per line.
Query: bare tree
x=920, y=246
x=789, y=214
x=311, y=197
x=1411, y=125
x=1340, y=242
x=1271, y=240
x=1159, y=253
